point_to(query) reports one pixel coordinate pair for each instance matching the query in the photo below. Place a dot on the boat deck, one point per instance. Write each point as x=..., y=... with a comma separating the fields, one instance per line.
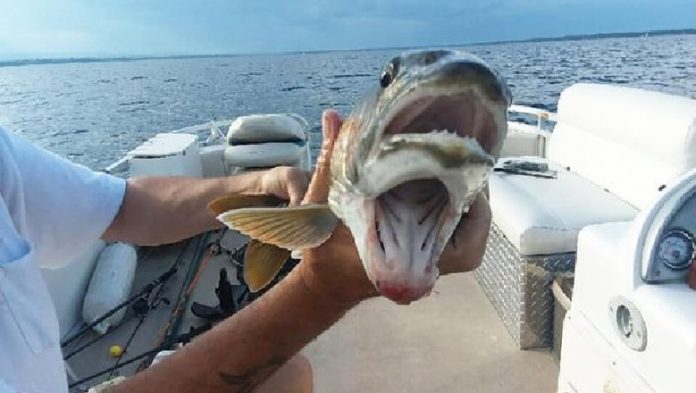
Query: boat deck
x=452, y=341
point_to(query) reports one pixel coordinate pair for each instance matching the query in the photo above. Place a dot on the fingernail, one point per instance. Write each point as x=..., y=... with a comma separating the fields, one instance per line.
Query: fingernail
x=329, y=121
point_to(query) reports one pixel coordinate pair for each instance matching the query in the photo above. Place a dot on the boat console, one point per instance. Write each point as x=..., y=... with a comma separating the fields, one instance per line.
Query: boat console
x=632, y=323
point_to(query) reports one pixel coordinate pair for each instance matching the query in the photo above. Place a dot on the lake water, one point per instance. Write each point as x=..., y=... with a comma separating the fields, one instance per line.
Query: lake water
x=93, y=113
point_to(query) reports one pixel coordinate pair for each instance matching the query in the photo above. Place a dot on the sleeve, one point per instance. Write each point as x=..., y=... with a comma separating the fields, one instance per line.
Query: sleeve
x=60, y=208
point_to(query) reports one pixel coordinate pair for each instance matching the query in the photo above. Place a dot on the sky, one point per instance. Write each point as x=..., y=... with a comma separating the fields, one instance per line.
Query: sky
x=106, y=28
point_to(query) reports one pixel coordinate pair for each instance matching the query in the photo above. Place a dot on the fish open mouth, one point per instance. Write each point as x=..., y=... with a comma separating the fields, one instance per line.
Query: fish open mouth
x=408, y=225
x=464, y=114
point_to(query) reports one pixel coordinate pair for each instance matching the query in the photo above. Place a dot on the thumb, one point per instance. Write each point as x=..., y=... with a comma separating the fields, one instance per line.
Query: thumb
x=298, y=187
x=318, y=190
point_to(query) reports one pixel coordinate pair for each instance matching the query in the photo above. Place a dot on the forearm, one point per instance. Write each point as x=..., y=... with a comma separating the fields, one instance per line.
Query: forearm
x=241, y=352
x=158, y=210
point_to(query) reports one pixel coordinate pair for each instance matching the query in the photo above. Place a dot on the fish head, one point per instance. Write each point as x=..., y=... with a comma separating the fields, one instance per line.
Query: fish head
x=411, y=158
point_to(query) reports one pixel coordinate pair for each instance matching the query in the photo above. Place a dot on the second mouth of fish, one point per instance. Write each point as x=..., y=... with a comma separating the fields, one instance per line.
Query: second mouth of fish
x=409, y=216
x=407, y=221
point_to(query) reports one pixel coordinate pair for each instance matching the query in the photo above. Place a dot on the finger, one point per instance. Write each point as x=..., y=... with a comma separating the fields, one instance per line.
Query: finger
x=318, y=189
x=467, y=245
x=477, y=218
x=297, y=187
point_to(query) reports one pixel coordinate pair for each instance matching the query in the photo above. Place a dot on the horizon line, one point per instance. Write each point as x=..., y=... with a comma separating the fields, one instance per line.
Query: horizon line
x=567, y=37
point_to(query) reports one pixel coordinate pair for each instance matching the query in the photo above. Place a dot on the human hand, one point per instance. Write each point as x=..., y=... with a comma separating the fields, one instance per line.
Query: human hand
x=334, y=270
x=465, y=250
x=285, y=182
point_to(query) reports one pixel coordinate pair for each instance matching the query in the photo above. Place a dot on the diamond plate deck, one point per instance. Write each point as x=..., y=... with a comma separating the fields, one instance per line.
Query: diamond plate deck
x=519, y=288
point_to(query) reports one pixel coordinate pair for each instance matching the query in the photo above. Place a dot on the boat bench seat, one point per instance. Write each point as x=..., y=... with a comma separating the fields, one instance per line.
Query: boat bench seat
x=542, y=216
x=613, y=150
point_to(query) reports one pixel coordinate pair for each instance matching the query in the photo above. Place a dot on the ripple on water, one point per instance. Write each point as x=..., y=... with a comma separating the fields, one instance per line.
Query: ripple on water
x=291, y=88
x=113, y=106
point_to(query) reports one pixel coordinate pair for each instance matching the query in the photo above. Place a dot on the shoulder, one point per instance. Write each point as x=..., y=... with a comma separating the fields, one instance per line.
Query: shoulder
x=8, y=165
x=12, y=148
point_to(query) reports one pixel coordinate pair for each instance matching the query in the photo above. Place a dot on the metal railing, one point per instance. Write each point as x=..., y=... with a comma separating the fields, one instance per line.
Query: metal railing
x=541, y=114
x=214, y=132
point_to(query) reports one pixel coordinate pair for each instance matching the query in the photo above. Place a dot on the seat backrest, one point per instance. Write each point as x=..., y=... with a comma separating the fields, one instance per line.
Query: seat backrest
x=632, y=142
x=266, y=141
x=272, y=127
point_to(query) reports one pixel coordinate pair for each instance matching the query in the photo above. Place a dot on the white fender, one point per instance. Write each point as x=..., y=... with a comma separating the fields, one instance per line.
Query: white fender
x=110, y=285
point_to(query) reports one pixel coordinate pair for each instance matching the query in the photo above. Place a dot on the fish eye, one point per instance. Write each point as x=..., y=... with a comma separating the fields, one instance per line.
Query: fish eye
x=389, y=72
x=386, y=78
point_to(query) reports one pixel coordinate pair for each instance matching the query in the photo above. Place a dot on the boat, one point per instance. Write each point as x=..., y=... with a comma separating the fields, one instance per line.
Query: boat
x=582, y=287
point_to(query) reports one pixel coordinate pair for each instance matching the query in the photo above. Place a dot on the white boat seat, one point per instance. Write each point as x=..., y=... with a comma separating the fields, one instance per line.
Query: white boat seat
x=272, y=127
x=614, y=148
x=264, y=141
x=264, y=155
x=542, y=216
x=167, y=154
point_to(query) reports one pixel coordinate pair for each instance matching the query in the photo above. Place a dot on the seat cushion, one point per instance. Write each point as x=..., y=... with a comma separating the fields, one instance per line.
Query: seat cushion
x=630, y=141
x=542, y=216
x=274, y=127
x=262, y=155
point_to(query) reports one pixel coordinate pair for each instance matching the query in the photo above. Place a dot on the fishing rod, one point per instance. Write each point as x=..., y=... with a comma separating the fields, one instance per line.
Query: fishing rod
x=195, y=268
x=147, y=289
x=180, y=339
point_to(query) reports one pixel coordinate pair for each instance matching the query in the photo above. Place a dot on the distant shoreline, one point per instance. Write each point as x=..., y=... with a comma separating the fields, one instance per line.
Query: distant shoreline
x=580, y=37
x=575, y=37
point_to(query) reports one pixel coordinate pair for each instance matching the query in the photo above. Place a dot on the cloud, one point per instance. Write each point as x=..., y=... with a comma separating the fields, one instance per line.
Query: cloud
x=139, y=27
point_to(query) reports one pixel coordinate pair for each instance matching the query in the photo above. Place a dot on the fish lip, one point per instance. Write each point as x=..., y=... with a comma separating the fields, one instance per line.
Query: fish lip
x=456, y=73
x=401, y=294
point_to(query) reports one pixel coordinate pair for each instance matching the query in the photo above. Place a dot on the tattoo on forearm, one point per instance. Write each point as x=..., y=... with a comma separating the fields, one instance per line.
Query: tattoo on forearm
x=252, y=378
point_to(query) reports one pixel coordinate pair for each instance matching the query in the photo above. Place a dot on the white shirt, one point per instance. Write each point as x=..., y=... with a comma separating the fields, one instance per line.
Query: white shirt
x=50, y=209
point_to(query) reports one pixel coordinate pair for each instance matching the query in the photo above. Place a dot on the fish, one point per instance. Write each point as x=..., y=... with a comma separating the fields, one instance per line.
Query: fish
x=408, y=162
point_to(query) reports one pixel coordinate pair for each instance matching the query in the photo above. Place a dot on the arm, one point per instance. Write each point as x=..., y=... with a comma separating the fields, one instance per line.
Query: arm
x=157, y=210
x=244, y=350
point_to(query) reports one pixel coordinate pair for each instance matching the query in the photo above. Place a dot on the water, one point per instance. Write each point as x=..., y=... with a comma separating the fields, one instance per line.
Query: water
x=93, y=113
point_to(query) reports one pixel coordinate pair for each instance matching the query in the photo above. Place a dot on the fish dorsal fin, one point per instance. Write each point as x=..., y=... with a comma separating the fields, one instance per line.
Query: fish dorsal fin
x=262, y=262
x=227, y=202
x=292, y=228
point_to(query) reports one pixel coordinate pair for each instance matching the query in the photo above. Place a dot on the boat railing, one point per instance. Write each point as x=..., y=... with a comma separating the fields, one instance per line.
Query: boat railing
x=211, y=131
x=522, y=118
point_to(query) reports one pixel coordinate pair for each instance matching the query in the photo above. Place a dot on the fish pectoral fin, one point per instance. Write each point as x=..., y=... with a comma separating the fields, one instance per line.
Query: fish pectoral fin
x=262, y=262
x=292, y=228
x=227, y=202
